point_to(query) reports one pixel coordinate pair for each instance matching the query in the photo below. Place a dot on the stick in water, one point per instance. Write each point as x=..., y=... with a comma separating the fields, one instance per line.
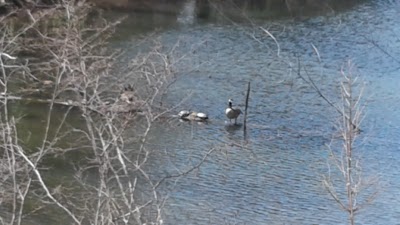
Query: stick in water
x=245, y=109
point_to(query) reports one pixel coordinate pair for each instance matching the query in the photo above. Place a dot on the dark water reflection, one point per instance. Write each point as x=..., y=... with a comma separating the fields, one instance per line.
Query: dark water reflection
x=274, y=176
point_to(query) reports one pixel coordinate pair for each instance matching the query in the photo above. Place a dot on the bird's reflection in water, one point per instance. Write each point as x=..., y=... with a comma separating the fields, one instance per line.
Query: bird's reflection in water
x=232, y=128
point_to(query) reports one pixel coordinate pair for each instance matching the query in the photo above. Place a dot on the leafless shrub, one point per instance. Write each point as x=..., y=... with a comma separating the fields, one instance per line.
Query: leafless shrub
x=353, y=190
x=60, y=57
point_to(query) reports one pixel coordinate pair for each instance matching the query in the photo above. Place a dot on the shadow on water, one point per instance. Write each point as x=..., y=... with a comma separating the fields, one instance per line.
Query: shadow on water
x=202, y=9
x=232, y=128
x=58, y=169
x=147, y=16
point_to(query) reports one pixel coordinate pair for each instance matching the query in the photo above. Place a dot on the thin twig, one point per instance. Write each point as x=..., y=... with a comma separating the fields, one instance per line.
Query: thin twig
x=245, y=109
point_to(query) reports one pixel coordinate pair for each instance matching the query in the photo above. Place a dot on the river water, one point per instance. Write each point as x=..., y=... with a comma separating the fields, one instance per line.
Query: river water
x=274, y=174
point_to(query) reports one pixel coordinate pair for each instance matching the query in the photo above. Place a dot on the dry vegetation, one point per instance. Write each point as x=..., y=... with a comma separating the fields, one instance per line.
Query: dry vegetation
x=345, y=182
x=65, y=61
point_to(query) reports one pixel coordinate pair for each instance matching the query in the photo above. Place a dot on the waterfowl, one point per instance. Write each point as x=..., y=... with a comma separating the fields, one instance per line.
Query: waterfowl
x=128, y=94
x=201, y=115
x=192, y=116
x=232, y=113
x=184, y=113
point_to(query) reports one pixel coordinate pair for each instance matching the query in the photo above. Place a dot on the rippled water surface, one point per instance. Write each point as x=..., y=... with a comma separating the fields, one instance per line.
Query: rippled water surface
x=274, y=174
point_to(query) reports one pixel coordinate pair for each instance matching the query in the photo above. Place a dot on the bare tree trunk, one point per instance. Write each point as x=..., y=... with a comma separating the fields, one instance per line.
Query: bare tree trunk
x=348, y=132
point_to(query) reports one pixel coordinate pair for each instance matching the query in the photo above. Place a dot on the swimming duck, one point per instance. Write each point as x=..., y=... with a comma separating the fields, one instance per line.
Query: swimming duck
x=192, y=116
x=128, y=94
x=232, y=113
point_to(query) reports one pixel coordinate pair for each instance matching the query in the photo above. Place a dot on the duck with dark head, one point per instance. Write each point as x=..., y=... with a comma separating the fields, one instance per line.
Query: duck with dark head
x=231, y=112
